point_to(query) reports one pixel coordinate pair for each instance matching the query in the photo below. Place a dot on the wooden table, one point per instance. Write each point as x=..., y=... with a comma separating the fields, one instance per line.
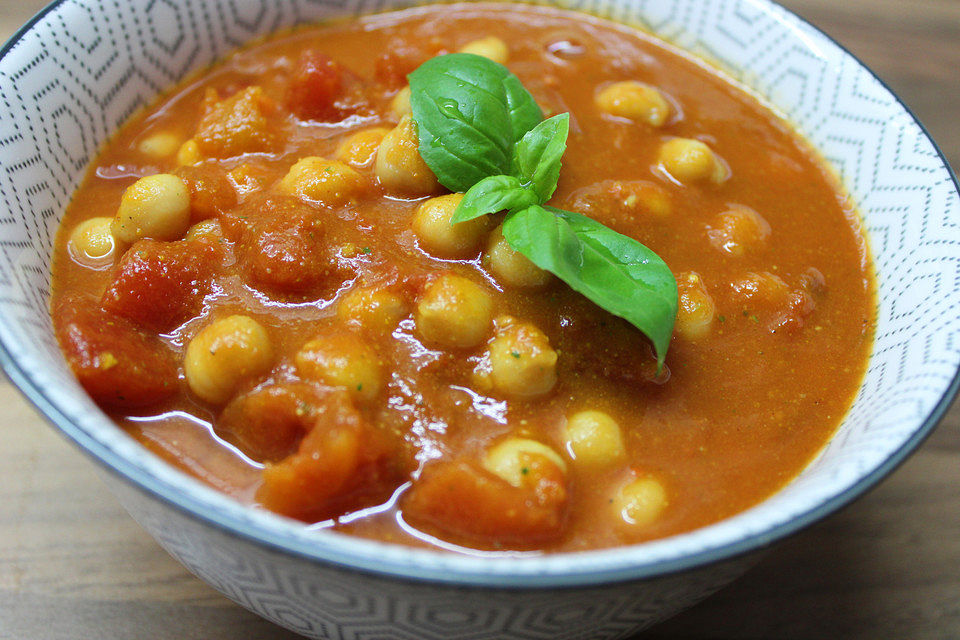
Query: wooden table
x=73, y=565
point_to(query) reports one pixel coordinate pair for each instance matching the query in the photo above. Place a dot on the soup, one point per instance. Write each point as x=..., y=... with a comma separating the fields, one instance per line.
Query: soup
x=259, y=280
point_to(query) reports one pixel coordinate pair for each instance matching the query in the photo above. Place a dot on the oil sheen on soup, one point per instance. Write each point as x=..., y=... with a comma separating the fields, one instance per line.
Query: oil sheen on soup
x=258, y=280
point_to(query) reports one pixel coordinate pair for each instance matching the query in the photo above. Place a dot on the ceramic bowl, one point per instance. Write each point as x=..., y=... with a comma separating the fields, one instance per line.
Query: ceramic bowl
x=79, y=69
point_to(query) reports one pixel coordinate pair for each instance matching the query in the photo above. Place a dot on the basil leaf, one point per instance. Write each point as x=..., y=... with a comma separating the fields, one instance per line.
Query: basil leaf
x=539, y=152
x=614, y=271
x=470, y=111
x=522, y=110
x=493, y=194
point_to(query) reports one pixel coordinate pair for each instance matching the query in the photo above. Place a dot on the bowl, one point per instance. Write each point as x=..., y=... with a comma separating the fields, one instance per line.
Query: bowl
x=73, y=74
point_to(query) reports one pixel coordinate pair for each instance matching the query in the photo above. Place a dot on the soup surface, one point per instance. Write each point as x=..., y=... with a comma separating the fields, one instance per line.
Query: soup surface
x=258, y=280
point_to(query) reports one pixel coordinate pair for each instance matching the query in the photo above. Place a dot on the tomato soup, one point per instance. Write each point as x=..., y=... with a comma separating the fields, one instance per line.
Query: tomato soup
x=259, y=280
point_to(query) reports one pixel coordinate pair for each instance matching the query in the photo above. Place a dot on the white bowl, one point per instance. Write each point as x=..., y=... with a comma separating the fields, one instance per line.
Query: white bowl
x=79, y=69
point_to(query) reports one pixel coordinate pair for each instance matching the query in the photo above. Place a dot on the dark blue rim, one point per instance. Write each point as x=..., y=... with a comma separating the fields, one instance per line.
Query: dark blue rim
x=159, y=490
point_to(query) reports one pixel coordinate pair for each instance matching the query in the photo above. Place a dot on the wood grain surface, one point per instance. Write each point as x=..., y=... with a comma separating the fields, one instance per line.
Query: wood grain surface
x=74, y=566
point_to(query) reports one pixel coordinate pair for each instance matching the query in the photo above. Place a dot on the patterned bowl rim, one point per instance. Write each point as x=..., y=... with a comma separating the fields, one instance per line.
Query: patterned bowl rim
x=441, y=566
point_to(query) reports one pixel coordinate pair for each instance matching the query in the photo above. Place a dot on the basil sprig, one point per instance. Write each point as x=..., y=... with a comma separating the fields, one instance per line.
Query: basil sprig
x=482, y=133
x=470, y=112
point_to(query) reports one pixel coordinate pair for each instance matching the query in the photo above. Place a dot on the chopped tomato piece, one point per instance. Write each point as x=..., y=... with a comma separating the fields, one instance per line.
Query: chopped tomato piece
x=614, y=200
x=161, y=285
x=767, y=297
x=400, y=60
x=462, y=499
x=281, y=246
x=210, y=190
x=246, y=122
x=118, y=364
x=269, y=422
x=315, y=86
x=341, y=464
x=800, y=304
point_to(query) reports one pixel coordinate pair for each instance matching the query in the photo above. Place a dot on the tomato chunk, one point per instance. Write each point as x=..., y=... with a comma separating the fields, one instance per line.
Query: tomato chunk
x=613, y=200
x=119, y=365
x=245, y=122
x=315, y=86
x=799, y=305
x=210, y=190
x=340, y=465
x=461, y=499
x=767, y=297
x=161, y=285
x=269, y=422
x=280, y=246
x=400, y=60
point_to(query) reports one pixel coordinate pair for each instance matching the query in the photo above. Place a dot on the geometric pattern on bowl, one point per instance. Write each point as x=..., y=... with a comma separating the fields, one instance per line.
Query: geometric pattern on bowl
x=70, y=80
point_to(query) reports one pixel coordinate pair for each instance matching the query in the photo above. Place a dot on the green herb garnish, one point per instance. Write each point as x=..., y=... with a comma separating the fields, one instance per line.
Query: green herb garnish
x=482, y=133
x=470, y=112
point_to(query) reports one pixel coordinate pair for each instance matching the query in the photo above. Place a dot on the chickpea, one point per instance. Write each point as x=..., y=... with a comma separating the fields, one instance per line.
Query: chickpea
x=690, y=160
x=510, y=460
x=399, y=167
x=359, y=149
x=342, y=360
x=640, y=503
x=400, y=104
x=490, y=47
x=738, y=230
x=438, y=237
x=594, y=439
x=91, y=241
x=224, y=354
x=327, y=182
x=189, y=154
x=643, y=197
x=509, y=266
x=696, y=309
x=209, y=229
x=379, y=310
x=160, y=146
x=522, y=362
x=155, y=207
x=636, y=101
x=763, y=287
x=454, y=312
